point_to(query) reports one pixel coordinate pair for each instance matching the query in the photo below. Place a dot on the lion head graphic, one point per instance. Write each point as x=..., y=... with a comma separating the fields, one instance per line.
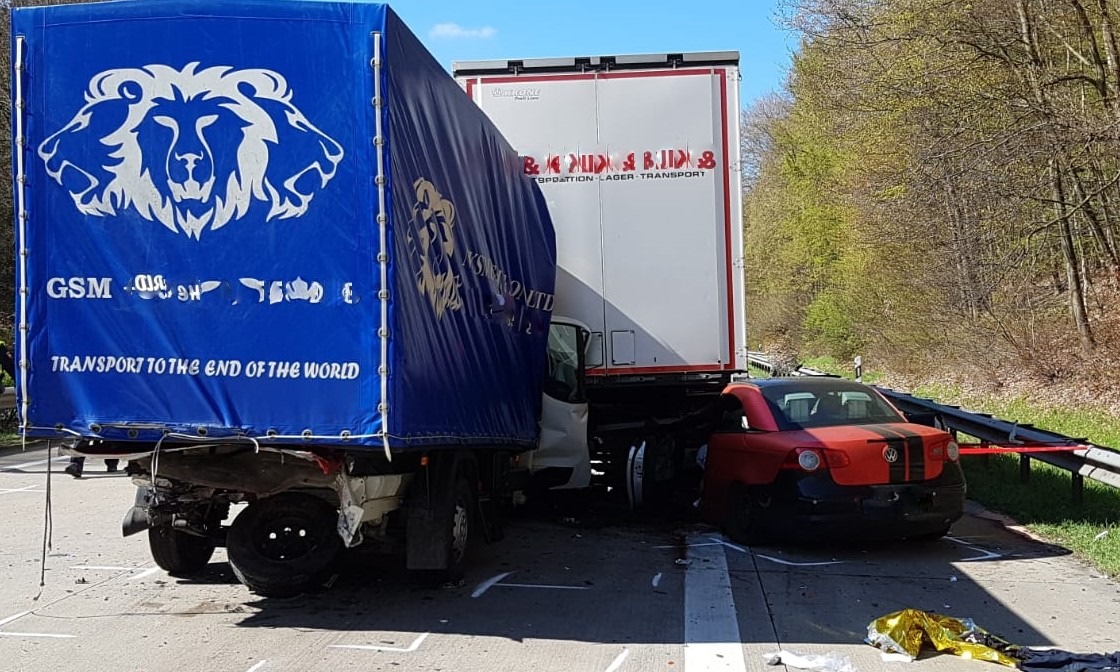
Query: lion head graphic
x=432, y=244
x=191, y=149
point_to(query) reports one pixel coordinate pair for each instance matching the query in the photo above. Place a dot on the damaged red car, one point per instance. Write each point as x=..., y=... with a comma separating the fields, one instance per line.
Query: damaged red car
x=827, y=457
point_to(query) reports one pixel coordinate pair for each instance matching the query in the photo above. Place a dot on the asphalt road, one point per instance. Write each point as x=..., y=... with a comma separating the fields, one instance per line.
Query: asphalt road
x=568, y=595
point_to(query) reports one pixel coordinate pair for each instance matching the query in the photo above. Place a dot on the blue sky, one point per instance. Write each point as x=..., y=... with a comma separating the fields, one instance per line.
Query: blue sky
x=477, y=29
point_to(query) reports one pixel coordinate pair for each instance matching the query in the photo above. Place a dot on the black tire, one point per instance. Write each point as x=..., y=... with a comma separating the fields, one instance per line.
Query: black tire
x=931, y=536
x=284, y=545
x=178, y=553
x=742, y=524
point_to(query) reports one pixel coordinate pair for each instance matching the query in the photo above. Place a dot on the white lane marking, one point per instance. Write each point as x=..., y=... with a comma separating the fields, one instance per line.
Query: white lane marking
x=104, y=568
x=257, y=666
x=711, y=625
x=144, y=574
x=387, y=649
x=656, y=580
x=497, y=581
x=25, y=465
x=488, y=584
x=540, y=585
x=713, y=543
x=730, y=545
x=30, y=488
x=9, y=619
x=619, y=659
x=789, y=563
x=35, y=634
x=986, y=554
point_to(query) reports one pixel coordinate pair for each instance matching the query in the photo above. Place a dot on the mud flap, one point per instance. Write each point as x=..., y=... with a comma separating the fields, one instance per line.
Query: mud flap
x=430, y=509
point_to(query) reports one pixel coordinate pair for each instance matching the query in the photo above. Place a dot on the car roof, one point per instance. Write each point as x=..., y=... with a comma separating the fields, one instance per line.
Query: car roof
x=806, y=383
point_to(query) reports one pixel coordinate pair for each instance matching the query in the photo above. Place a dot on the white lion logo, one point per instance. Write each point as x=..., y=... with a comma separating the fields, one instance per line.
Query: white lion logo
x=190, y=149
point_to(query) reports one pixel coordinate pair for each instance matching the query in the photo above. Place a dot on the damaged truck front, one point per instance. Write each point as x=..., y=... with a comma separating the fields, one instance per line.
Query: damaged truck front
x=273, y=256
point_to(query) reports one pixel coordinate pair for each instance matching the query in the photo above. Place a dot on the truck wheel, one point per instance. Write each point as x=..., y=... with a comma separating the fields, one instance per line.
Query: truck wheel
x=284, y=545
x=178, y=553
x=462, y=523
x=458, y=537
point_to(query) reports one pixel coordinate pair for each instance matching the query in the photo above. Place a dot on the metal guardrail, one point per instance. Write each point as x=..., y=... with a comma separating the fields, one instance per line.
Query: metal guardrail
x=1098, y=463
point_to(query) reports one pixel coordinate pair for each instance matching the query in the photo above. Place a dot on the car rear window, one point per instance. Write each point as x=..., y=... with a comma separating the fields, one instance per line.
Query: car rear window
x=843, y=404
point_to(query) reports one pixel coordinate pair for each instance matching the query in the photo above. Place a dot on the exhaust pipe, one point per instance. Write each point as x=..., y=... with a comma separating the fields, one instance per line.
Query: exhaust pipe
x=136, y=519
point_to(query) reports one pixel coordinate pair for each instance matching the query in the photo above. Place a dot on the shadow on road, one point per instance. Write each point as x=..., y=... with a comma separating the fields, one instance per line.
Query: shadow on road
x=595, y=582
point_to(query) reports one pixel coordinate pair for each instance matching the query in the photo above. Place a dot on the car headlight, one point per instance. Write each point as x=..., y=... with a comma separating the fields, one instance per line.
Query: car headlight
x=809, y=460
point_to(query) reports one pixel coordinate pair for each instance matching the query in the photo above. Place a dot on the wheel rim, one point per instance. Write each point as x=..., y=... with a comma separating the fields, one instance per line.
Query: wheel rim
x=460, y=530
x=286, y=539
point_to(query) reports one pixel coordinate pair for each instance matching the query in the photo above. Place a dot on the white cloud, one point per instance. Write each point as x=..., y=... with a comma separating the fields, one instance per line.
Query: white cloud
x=455, y=30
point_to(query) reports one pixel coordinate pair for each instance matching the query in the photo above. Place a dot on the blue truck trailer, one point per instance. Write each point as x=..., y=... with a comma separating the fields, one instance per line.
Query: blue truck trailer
x=270, y=253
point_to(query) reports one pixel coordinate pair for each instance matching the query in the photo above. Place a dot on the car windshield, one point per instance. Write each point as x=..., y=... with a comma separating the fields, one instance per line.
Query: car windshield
x=797, y=407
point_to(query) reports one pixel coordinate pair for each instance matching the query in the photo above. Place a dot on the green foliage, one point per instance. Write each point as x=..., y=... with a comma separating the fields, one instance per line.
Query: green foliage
x=905, y=204
x=846, y=369
x=830, y=326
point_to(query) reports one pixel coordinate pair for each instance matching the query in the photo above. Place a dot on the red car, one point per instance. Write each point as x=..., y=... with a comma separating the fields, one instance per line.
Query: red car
x=825, y=457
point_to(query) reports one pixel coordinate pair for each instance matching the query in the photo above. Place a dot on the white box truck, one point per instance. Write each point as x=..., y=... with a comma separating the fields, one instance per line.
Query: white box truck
x=638, y=159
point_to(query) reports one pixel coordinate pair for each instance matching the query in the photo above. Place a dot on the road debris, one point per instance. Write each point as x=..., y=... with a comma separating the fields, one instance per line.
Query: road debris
x=825, y=663
x=906, y=631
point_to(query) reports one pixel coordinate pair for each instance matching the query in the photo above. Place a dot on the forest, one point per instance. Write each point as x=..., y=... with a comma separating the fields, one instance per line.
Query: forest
x=937, y=189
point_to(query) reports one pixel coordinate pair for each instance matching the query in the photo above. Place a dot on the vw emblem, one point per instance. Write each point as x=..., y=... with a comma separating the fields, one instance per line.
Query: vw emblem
x=890, y=454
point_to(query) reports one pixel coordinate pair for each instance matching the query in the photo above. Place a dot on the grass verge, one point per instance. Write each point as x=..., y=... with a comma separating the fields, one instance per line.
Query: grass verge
x=1044, y=504
x=1045, y=507
x=831, y=365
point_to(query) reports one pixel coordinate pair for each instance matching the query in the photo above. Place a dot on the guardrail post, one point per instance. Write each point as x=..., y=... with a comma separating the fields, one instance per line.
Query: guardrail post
x=1024, y=468
x=1078, y=488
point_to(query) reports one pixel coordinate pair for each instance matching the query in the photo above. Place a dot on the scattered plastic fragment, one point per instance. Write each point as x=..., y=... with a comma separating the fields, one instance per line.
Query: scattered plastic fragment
x=1100, y=536
x=683, y=562
x=895, y=657
x=825, y=663
x=952, y=579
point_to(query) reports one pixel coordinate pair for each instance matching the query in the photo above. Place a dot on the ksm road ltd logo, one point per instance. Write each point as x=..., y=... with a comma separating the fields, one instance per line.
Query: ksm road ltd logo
x=191, y=149
x=431, y=243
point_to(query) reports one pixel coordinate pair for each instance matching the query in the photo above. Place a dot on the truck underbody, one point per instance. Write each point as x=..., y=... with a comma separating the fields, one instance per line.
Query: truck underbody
x=303, y=508
x=645, y=433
